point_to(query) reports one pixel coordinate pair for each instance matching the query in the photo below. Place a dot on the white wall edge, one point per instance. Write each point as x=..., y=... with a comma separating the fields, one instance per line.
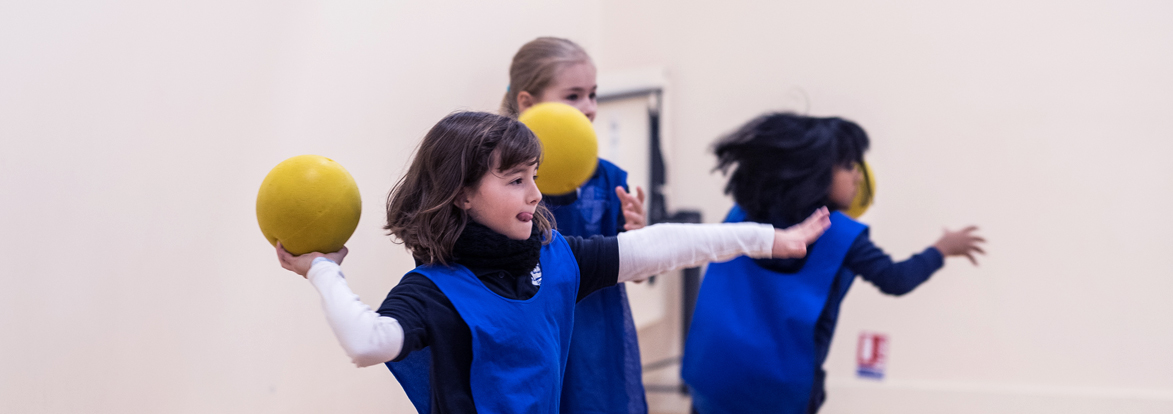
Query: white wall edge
x=1039, y=390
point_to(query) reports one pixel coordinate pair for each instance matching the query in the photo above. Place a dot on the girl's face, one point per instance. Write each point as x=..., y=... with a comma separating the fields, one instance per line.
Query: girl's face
x=504, y=201
x=574, y=85
x=844, y=184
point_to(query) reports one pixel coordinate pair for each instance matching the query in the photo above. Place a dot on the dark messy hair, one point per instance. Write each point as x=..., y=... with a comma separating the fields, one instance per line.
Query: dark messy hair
x=782, y=164
x=454, y=155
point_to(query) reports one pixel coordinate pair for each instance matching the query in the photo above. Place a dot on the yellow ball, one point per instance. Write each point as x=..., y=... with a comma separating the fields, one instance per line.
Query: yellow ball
x=570, y=151
x=858, y=207
x=310, y=204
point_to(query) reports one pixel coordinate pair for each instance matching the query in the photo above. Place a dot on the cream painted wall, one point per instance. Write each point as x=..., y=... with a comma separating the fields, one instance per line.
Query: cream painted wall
x=134, y=138
x=135, y=134
x=1045, y=123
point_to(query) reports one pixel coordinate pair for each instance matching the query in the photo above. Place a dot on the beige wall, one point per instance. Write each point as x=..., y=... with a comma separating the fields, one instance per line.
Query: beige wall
x=1045, y=123
x=135, y=135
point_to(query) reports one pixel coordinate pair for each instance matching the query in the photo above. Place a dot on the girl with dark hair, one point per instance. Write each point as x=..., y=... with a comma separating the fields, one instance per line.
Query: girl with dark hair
x=762, y=327
x=492, y=303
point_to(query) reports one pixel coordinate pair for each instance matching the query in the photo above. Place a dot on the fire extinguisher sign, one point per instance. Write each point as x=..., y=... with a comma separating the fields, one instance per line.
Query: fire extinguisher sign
x=871, y=355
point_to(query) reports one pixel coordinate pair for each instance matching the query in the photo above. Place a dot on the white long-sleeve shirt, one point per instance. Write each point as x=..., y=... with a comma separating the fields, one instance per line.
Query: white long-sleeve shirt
x=369, y=338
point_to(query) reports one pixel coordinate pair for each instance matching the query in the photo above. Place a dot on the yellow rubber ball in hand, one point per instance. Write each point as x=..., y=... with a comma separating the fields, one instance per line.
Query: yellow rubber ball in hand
x=310, y=204
x=570, y=151
x=865, y=195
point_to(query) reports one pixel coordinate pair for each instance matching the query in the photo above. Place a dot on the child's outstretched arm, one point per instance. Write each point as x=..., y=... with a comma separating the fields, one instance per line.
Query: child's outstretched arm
x=898, y=278
x=367, y=337
x=663, y=247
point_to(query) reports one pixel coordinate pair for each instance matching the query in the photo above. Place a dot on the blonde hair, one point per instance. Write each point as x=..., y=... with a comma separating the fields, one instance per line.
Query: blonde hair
x=535, y=65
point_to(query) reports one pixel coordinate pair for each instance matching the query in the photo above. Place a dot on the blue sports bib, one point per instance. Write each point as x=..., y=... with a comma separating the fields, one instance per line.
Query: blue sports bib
x=519, y=346
x=751, y=346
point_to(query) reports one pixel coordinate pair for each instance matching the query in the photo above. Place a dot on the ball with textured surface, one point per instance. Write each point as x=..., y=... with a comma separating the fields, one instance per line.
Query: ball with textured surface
x=570, y=150
x=310, y=204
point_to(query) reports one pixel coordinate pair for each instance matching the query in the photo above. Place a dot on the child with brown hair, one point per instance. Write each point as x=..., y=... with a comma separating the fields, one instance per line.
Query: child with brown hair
x=494, y=299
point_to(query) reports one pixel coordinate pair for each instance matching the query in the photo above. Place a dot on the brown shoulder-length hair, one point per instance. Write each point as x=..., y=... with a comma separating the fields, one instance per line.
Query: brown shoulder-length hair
x=454, y=155
x=535, y=65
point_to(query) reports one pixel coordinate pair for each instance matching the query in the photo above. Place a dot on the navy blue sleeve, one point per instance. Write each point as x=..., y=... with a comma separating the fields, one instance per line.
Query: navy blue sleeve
x=598, y=262
x=421, y=309
x=430, y=320
x=875, y=266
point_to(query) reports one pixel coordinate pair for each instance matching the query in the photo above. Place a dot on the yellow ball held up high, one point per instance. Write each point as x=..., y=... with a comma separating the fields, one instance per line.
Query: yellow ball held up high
x=310, y=204
x=570, y=151
x=865, y=195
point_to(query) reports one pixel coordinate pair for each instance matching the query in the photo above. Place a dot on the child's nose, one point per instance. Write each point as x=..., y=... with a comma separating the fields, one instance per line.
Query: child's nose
x=589, y=108
x=534, y=195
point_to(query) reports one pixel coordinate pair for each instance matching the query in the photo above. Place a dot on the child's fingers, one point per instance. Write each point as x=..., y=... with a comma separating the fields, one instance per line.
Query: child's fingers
x=632, y=208
x=338, y=255
x=821, y=219
x=282, y=255
x=977, y=249
x=634, y=219
x=631, y=221
x=637, y=201
x=817, y=216
x=627, y=219
x=971, y=258
x=812, y=231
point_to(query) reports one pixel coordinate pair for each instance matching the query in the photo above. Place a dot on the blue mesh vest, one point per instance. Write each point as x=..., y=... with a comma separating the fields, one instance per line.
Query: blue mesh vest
x=751, y=346
x=519, y=346
x=603, y=374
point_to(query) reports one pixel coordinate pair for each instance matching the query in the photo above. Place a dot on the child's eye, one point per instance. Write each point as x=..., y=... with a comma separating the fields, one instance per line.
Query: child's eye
x=572, y=97
x=517, y=181
x=593, y=96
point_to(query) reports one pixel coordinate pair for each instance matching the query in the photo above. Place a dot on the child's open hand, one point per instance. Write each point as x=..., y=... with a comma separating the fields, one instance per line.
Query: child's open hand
x=960, y=243
x=633, y=208
x=301, y=264
x=792, y=241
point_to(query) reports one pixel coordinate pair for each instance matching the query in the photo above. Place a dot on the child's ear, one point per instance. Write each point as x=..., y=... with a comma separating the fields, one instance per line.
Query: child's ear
x=524, y=101
x=462, y=201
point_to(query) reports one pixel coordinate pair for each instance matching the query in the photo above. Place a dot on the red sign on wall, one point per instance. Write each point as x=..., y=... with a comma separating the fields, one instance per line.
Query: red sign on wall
x=871, y=355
